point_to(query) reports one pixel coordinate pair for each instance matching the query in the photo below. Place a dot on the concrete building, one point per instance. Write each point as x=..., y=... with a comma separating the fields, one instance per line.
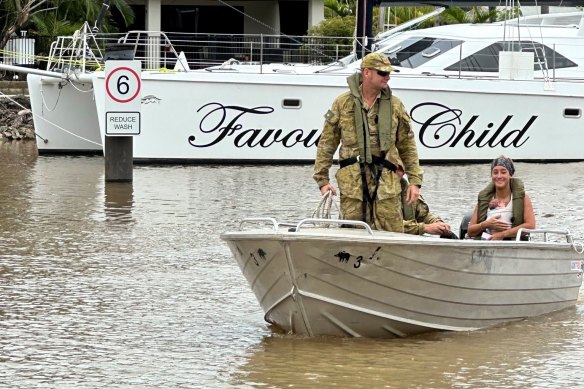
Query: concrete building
x=290, y=17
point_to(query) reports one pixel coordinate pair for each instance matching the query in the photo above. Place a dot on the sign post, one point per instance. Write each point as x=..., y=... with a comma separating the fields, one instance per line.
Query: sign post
x=123, y=86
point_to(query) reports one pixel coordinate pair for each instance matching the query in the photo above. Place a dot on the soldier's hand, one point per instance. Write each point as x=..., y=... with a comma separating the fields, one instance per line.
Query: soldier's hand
x=413, y=194
x=326, y=188
x=438, y=228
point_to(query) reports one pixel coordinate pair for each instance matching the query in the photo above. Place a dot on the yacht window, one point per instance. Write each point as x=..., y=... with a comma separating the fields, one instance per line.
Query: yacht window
x=487, y=59
x=291, y=103
x=416, y=51
x=539, y=58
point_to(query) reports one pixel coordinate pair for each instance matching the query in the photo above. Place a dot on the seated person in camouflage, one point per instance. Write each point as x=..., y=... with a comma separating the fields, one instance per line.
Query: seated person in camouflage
x=418, y=219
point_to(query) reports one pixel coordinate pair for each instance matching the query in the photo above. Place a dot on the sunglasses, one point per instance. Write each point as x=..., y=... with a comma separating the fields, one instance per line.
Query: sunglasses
x=382, y=73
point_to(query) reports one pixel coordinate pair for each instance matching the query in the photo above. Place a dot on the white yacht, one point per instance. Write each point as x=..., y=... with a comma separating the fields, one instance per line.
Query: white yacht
x=474, y=91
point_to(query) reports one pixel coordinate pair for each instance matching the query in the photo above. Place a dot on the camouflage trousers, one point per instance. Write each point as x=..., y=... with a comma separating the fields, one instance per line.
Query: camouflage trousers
x=387, y=213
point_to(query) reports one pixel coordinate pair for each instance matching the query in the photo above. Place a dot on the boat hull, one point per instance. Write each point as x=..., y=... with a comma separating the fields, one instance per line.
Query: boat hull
x=65, y=115
x=333, y=282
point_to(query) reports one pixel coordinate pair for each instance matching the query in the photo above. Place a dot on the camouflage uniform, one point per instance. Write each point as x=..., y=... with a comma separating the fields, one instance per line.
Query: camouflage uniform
x=341, y=128
x=416, y=215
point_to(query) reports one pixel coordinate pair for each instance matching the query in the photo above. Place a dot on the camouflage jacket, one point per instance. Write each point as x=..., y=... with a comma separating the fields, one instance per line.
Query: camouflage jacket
x=340, y=128
x=417, y=215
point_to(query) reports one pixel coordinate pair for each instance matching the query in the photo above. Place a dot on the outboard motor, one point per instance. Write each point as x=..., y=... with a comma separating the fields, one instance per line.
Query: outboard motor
x=464, y=224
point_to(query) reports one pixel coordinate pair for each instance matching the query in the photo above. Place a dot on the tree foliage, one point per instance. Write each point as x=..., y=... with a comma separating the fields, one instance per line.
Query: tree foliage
x=454, y=15
x=339, y=8
x=51, y=18
x=15, y=15
x=338, y=27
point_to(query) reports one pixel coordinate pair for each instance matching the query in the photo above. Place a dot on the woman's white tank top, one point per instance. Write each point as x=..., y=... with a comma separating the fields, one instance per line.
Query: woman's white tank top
x=505, y=212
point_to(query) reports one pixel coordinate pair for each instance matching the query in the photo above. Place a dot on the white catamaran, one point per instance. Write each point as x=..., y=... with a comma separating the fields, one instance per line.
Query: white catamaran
x=473, y=91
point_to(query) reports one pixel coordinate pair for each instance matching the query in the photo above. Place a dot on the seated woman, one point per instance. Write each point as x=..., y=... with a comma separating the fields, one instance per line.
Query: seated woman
x=503, y=206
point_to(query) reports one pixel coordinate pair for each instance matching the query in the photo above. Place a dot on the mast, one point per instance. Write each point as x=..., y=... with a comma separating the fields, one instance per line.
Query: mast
x=364, y=35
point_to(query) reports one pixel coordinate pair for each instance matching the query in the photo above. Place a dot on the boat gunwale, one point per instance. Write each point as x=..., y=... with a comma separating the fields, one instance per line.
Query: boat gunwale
x=384, y=237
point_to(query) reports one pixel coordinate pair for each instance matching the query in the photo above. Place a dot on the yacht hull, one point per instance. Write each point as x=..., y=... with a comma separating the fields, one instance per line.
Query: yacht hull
x=229, y=117
x=64, y=115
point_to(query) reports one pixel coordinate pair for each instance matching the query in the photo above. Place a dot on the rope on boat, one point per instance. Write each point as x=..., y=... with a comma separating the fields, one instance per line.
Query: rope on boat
x=53, y=124
x=37, y=58
x=323, y=210
x=45, y=102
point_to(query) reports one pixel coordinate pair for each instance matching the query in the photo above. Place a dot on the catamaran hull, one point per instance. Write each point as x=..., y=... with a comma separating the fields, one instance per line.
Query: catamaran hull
x=212, y=116
x=346, y=283
x=64, y=114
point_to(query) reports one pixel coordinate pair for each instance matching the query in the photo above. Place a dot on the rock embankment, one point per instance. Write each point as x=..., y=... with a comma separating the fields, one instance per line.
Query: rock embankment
x=15, y=118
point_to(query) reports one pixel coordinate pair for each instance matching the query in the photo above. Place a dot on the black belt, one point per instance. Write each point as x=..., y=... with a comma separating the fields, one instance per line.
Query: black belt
x=376, y=161
x=367, y=197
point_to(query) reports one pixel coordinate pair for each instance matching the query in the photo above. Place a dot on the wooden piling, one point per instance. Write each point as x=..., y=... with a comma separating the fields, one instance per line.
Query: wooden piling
x=119, y=158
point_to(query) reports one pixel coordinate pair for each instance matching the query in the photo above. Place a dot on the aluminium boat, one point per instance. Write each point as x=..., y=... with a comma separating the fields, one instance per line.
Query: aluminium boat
x=313, y=279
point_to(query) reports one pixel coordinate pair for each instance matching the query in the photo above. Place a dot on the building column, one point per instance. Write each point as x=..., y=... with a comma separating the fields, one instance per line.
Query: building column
x=153, y=17
x=315, y=12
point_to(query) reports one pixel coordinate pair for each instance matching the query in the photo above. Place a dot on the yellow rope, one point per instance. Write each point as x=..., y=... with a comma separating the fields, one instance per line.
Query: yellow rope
x=74, y=62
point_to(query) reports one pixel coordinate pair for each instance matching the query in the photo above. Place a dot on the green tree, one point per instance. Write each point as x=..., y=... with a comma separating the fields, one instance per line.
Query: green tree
x=15, y=14
x=399, y=15
x=69, y=15
x=340, y=31
x=337, y=27
x=339, y=8
x=454, y=15
x=51, y=18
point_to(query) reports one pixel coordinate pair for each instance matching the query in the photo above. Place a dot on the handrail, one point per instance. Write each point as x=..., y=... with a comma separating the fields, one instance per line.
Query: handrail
x=335, y=221
x=545, y=233
x=260, y=219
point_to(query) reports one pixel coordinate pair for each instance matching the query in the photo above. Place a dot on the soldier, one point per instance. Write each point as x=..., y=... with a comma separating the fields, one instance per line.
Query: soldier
x=375, y=136
x=418, y=219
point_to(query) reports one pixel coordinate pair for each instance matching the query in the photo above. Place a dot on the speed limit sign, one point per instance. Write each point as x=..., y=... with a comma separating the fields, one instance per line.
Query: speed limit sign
x=123, y=86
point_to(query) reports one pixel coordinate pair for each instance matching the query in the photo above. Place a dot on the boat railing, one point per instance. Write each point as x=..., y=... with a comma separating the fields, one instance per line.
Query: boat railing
x=295, y=227
x=262, y=220
x=79, y=52
x=545, y=233
x=86, y=50
x=328, y=222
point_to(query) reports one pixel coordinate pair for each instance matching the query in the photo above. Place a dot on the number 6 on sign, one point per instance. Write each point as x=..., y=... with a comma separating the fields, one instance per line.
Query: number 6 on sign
x=122, y=82
x=123, y=86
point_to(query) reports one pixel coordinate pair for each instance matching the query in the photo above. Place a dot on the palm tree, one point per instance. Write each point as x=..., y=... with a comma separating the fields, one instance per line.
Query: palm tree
x=71, y=14
x=51, y=18
x=483, y=14
x=454, y=15
x=15, y=14
x=334, y=8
